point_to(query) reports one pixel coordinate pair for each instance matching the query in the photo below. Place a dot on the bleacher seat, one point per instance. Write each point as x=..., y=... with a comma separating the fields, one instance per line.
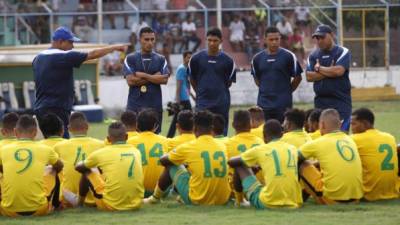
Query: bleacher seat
x=28, y=89
x=86, y=103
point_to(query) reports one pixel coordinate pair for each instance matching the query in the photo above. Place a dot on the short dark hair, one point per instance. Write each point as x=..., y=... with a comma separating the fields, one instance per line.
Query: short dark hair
x=26, y=123
x=50, y=125
x=203, y=120
x=185, y=120
x=295, y=117
x=214, y=31
x=128, y=118
x=271, y=30
x=145, y=30
x=242, y=119
x=364, y=114
x=9, y=121
x=272, y=129
x=77, y=120
x=187, y=52
x=147, y=120
x=218, y=124
x=117, y=131
x=315, y=115
x=256, y=113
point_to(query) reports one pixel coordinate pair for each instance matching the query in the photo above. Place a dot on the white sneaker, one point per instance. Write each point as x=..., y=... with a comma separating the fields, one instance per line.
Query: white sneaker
x=151, y=200
x=71, y=198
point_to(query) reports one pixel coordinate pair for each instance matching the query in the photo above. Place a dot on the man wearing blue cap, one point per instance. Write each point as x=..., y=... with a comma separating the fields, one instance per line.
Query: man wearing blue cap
x=328, y=67
x=53, y=74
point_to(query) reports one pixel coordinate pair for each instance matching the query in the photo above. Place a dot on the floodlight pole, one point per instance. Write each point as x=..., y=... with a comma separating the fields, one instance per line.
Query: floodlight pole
x=99, y=21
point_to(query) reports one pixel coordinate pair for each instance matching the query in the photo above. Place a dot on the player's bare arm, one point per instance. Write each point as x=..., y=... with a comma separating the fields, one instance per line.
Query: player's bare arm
x=193, y=83
x=235, y=162
x=165, y=161
x=156, y=78
x=133, y=80
x=312, y=76
x=332, y=71
x=295, y=82
x=81, y=168
x=257, y=81
x=58, y=166
x=98, y=53
x=178, y=90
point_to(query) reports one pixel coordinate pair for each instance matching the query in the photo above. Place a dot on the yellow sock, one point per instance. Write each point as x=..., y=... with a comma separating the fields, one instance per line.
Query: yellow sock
x=158, y=193
x=239, y=196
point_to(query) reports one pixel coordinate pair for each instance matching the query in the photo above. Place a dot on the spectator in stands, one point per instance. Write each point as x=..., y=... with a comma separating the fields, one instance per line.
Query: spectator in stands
x=160, y=26
x=81, y=26
x=89, y=6
x=115, y=5
x=160, y=4
x=136, y=27
x=302, y=16
x=175, y=32
x=237, y=33
x=179, y=4
x=286, y=30
x=251, y=24
x=112, y=64
x=252, y=44
x=189, y=34
x=296, y=44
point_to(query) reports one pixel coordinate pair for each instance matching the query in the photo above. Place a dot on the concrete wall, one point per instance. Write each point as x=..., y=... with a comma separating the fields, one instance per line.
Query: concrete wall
x=114, y=90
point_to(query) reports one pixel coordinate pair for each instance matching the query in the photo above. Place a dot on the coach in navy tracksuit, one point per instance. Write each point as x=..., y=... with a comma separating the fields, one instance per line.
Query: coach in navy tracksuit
x=277, y=73
x=53, y=74
x=145, y=71
x=211, y=73
x=328, y=67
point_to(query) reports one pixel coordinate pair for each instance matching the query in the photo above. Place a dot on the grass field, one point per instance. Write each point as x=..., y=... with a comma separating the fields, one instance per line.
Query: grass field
x=170, y=212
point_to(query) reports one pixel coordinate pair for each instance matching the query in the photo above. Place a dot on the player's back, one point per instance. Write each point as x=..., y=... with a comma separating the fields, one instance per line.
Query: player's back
x=241, y=142
x=340, y=165
x=258, y=131
x=151, y=147
x=51, y=141
x=316, y=134
x=180, y=139
x=121, y=168
x=206, y=159
x=71, y=152
x=7, y=141
x=131, y=134
x=24, y=162
x=296, y=138
x=379, y=162
x=278, y=161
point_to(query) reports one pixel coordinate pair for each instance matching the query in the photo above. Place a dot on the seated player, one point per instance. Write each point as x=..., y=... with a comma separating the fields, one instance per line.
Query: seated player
x=341, y=176
x=74, y=150
x=293, y=128
x=242, y=141
x=184, y=126
x=205, y=181
x=128, y=118
x=313, y=124
x=151, y=146
x=120, y=185
x=9, y=121
x=379, y=160
x=278, y=161
x=218, y=128
x=52, y=129
x=30, y=171
x=257, y=121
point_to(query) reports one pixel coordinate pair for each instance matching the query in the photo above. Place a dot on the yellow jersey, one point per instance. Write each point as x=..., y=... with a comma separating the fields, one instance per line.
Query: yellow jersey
x=316, y=134
x=278, y=161
x=121, y=167
x=71, y=152
x=259, y=131
x=151, y=147
x=241, y=142
x=51, y=141
x=206, y=162
x=24, y=164
x=7, y=141
x=296, y=138
x=340, y=165
x=180, y=139
x=131, y=134
x=222, y=139
x=379, y=163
